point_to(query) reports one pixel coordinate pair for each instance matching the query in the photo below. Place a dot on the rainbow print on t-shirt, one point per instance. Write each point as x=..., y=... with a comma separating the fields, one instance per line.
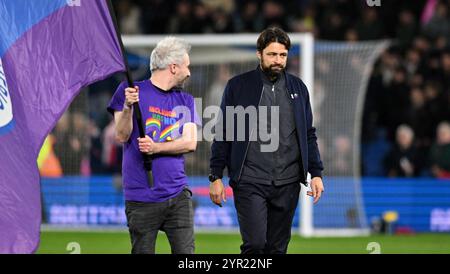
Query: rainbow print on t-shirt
x=162, y=124
x=153, y=126
x=165, y=134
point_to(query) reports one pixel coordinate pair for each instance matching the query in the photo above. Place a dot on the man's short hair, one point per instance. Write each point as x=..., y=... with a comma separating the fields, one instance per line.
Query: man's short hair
x=406, y=129
x=443, y=126
x=170, y=50
x=271, y=35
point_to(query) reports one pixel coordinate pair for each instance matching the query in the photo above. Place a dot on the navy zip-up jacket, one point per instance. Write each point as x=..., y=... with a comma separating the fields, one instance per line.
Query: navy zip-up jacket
x=245, y=90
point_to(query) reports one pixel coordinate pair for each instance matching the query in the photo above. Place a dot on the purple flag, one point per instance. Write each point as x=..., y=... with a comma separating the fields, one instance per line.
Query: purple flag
x=49, y=50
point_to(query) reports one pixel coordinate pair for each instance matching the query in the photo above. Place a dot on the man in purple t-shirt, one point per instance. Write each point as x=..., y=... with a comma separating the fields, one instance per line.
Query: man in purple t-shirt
x=171, y=130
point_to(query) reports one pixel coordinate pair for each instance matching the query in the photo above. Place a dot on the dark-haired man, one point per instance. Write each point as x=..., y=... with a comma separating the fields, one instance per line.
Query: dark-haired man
x=266, y=178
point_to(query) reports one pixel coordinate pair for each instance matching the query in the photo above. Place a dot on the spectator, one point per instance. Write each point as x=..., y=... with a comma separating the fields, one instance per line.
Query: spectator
x=201, y=20
x=222, y=22
x=402, y=160
x=79, y=145
x=72, y=142
x=412, y=62
x=440, y=152
x=156, y=15
x=274, y=15
x=441, y=43
x=417, y=114
x=95, y=152
x=435, y=102
x=369, y=27
x=398, y=98
x=342, y=154
x=422, y=44
x=250, y=19
x=351, y=35
x=445, y=69
x=182, y=21
x=406, y=29
x=226, y=6
x=61, y=141
x=439, y=25
x=305, y=22
x=333, y=28
x=48, y=163
x=112, y=150
x=130, y=17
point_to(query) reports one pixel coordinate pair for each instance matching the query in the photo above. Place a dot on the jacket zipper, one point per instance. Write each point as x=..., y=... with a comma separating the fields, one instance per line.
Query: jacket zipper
x=250, y=137
x=296, y=133
x=276, y=154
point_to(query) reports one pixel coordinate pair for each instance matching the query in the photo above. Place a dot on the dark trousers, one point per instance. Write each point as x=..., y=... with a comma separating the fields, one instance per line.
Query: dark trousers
x=175, y=217
x=265, y=215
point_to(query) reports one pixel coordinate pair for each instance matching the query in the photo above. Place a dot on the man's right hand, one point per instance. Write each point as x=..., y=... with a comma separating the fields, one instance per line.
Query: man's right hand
x=217, y=192
x=131, y=96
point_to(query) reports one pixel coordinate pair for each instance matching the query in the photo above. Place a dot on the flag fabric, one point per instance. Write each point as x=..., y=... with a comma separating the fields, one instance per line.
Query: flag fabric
x=49, y=50
x=428, y=11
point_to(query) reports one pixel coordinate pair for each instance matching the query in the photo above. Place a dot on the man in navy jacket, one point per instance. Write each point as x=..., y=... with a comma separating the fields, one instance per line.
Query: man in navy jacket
x=266, y=177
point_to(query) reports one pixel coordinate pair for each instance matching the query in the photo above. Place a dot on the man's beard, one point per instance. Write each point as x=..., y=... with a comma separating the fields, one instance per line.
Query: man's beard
x=272, y=71
x=181, y=84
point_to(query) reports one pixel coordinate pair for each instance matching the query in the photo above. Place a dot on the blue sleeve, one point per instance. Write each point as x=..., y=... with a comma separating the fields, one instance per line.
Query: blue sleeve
x=315, y=165
x=221, y=148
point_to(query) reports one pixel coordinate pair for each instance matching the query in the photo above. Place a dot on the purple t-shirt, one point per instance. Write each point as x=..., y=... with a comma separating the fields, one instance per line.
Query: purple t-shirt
x=164, y=114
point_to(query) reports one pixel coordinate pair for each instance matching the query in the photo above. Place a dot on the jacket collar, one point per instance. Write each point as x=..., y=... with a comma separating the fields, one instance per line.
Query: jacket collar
x=258, y=71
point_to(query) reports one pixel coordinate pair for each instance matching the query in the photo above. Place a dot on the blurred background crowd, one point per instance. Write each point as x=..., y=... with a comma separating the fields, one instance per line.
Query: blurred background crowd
x=405, y=129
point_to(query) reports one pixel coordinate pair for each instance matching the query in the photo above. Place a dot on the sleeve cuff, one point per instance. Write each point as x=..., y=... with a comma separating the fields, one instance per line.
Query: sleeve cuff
x=315, y=173
x=217, y=171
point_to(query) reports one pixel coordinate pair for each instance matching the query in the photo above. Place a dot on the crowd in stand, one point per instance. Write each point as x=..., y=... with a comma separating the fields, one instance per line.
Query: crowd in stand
x=408, y=99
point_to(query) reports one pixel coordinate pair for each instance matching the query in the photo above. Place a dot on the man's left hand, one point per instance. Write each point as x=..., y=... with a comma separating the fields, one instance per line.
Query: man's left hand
x=317, y=189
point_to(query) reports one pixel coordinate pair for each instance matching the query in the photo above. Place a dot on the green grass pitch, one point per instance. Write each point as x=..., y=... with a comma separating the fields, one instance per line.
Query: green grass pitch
x=228, y=243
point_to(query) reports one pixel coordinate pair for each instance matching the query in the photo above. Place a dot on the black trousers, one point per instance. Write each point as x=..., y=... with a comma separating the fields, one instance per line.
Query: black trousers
x=175, y=217
x=265, y=215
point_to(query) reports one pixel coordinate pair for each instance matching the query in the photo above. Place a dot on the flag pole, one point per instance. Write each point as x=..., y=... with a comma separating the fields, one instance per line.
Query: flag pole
x=136, y=110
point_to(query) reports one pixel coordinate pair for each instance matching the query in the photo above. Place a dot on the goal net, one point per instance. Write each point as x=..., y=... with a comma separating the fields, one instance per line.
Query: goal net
x=341, y=74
